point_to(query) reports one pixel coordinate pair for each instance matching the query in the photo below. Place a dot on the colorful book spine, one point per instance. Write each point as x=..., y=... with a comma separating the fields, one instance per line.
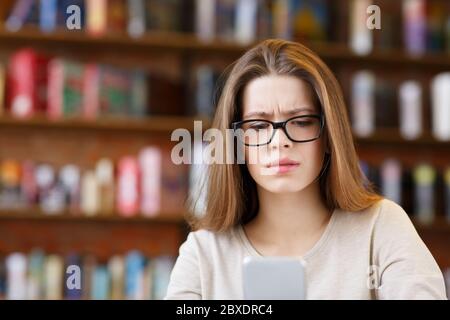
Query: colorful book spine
x=89, y=194
x=65, y=89
x=116, y=267
x=27, y=82
x=205, y=19
x=100, y=283
x=447, y=193
x=19, y=14
x=410, y=96
x=35, y=283
x=73, y=277
x=28, y=184
x=361, y=37
x=440, y=98
x=391, y=179
x=48, y=15
x=246, y=21
x=16, y=270
x=97, y=17
x=105, y=179
x=415, y=26
x=2, y=89
x=363, y=103
x=69, y=177
x=424, y=181
x=128, y=187
x=91, y=91
x=136, y=18
x=138, y=95
x=134, y=275
x=150, y=168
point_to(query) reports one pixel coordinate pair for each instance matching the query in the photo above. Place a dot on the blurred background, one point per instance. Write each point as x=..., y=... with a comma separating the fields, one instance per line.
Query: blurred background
x=91, y=90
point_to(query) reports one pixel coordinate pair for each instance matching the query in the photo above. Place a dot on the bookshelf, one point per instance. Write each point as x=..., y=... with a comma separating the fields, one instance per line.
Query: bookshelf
x=187, y=44
x=176, y=54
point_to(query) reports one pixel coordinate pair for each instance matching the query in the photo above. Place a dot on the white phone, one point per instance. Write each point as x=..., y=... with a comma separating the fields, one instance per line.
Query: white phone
x=273, y=278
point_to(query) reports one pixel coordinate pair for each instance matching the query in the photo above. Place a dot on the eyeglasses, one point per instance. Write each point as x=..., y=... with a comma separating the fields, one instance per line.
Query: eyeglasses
x=258, y=132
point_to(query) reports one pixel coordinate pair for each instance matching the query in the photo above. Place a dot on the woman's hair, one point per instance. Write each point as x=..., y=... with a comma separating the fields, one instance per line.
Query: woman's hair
x=230, y=196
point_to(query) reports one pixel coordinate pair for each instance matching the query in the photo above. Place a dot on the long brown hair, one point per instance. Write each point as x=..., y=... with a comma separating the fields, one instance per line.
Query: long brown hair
x=230, y=192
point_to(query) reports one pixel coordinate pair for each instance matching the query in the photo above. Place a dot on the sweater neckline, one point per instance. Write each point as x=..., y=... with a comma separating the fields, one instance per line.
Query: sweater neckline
x=317, y=246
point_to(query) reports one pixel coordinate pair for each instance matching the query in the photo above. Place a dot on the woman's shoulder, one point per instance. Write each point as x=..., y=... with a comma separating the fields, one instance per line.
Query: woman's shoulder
x=384, y=214
x=207, y=239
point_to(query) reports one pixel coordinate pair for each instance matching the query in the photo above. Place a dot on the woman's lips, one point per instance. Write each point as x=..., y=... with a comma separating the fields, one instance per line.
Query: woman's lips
x=284, y=165
x=285, y=168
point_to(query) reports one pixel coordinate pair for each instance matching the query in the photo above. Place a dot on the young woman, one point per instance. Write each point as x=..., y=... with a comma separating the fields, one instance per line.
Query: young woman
x=305, y=196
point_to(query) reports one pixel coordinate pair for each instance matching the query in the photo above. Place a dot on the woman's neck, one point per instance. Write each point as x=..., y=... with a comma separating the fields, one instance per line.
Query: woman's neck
x=289, y=222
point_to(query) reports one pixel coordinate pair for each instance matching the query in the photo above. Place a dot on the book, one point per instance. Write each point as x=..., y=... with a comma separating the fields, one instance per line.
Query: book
x=447, y=192
x=308, y=20
x=19, y=14
x=116, y=16
x=69, y=176
x=100, y=283
x=10, y=184
x=134, y=275
x=415, y=26
x=73, y=276
x=386, y=102
x=67, y=14
x=104, y=172
x=440, y=106
x=246, y=21
x=150, y=165
x=48, y=15
x=264, y=23
x=136, y=18
x=361, y=37
x=27, y=83
x=128, y=186
x=2, y=89
x=114, y=91
x=363, y=103
x=116, y=267
x=89, y=263
x=97, y=20
x=90, y=202
x=138, y=105
x=35, y=283
x=45, y=180
x=164, y=15
x=391, y=180
x=3, y=282
x=410, y=97
x=205, y=19
x=424, y=191
x=205, y=80
x=91, y=91
x=436, y=19
x=162, y=268
x=16, y=276
x=390, y=35
x=28, y=184
x=280, y=19
x=65, y=89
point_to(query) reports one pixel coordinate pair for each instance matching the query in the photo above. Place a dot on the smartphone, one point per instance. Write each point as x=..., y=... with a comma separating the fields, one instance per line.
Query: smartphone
x=273, y=278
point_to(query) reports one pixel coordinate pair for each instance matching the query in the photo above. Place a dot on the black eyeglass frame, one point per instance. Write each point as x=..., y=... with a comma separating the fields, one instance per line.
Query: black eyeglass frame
x=282, y=124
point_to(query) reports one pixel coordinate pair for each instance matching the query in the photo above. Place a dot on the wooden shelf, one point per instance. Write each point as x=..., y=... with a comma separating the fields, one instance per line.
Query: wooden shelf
x=148, y=125
x=36, y=215
x=189, y=44
x=393, y=137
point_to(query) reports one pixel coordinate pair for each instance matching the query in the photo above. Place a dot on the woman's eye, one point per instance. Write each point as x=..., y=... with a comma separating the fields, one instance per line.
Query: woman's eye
x=259, y=126
x=302, y=123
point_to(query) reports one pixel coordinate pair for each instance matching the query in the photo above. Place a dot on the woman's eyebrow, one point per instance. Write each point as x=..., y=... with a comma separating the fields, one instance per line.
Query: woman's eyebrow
x=288, y=112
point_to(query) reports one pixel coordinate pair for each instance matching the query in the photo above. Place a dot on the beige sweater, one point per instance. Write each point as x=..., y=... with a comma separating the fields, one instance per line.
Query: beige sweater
x=379, y=241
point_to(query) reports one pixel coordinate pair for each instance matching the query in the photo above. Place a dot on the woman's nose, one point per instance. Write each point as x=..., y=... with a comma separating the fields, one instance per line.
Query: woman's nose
x=280, y=139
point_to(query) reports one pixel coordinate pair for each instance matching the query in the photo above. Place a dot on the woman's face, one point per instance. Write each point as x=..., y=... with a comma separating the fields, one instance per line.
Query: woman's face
x=283, y=165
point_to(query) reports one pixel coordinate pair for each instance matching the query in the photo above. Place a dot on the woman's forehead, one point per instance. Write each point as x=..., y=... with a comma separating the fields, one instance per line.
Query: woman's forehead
x=285, y=95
